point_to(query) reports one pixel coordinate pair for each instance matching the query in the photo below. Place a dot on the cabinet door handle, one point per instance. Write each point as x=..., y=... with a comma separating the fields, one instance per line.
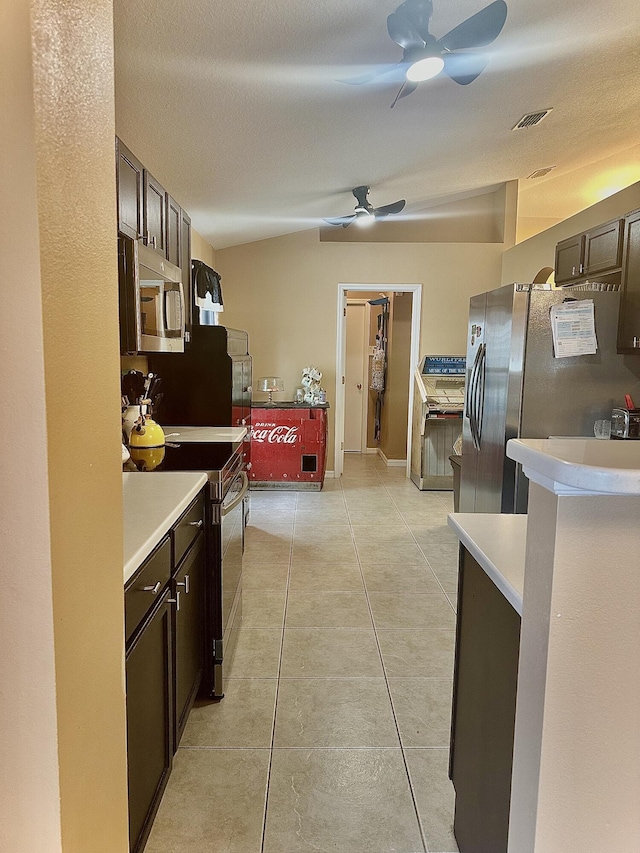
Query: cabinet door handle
x=175, y=600
x=185, y=584
x=573, y=270
x=152, y=589
x=196, y=523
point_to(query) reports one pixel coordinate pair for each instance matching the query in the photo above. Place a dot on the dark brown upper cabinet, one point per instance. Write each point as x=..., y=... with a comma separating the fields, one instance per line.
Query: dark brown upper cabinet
x=629, y=323
x=174, y=231
x=603, y=248
x=595, y=252
x=569, y=263
x=185, y=264
x=129, y=180
x=147, y=211
x=155, y=214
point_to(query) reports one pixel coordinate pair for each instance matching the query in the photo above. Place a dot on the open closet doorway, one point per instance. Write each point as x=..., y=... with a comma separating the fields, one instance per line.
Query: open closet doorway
x=353, y=430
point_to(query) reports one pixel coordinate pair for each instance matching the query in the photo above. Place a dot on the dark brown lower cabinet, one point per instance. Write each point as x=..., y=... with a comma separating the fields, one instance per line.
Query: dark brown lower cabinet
x=189, y=631
x=164, y=619
x=149, y=668
x=484, y=707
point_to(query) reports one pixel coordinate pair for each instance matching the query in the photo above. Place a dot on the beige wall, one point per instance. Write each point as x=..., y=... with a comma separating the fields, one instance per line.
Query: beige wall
x=61, y=535
x=284, y=292
x=29, y=789
x=201, y=250
x=522, y=262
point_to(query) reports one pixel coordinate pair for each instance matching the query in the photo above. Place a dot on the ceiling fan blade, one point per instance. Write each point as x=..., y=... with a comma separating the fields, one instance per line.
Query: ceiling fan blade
x=343, y=220
x=389, y=209
x=418, y=12
x=402, y=31
x=406, y=89
x=463, y=68
x=478, y=30
x=373, y=75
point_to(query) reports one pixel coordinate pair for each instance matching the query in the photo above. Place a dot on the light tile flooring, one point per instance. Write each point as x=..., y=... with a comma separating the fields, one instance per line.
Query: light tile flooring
x=333, y=733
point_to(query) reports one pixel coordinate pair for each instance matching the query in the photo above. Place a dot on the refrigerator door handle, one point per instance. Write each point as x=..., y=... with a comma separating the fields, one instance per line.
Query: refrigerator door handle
x=479, y=414
x=473, y=423
x=467, y=393
x=472, y=399
x=469, y=388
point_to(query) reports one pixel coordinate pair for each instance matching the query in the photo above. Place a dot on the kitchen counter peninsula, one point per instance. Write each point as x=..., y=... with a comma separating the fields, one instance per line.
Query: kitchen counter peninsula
x=571, y=777
x=497, y=543
x=488, y=619
x=545, y=735
x=576, y=777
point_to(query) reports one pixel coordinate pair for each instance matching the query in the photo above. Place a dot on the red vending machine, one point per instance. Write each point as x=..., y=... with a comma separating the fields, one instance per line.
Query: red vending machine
x=288, y=445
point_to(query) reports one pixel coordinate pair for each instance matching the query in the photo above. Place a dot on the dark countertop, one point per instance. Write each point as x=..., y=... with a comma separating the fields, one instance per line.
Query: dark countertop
x=287, y=404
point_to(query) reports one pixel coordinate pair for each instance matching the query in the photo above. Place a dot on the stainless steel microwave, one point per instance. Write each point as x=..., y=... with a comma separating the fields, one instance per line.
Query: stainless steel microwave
x=152, y=311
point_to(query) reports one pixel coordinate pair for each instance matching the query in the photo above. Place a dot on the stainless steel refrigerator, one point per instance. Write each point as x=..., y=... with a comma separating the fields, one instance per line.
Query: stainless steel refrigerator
x=515, y=388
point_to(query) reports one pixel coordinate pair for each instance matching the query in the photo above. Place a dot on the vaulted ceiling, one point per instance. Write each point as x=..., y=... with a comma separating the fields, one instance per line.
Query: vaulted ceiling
x=239, y=109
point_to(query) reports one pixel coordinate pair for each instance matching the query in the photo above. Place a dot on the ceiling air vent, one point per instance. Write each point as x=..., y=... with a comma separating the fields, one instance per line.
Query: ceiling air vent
x=540, y=173
x=531, y=119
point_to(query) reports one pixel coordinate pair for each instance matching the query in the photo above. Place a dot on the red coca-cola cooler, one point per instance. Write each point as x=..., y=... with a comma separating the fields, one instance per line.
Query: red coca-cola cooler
x=288, y=445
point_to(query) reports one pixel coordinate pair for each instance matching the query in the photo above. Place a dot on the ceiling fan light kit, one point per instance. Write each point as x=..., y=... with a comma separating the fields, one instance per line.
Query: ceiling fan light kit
x=425, y=69
x=364, y=218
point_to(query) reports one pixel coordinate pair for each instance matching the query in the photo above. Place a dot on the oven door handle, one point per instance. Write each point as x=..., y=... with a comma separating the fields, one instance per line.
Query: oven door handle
x=226, y=509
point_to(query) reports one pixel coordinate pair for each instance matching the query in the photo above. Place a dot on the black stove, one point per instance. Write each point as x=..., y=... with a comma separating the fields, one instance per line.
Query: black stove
x=219, y=460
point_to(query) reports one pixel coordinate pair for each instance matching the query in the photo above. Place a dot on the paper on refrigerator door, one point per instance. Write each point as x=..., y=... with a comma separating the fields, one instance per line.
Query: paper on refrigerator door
x=573, y=328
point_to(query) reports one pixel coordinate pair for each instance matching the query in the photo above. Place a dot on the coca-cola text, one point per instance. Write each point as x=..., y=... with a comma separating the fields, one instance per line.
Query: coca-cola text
x=274, y=434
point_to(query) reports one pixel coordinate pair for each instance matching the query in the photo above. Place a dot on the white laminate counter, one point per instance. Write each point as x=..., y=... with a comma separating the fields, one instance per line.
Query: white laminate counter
x=497, y=543
x=589, y=466
x=204, y=434
x=151, y=503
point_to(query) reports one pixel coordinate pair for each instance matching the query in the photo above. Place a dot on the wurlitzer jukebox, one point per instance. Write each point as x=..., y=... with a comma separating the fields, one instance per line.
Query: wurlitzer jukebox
x=437, y=419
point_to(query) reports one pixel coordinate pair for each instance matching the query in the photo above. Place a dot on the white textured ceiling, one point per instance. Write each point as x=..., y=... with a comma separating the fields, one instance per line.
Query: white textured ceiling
x=237, y=107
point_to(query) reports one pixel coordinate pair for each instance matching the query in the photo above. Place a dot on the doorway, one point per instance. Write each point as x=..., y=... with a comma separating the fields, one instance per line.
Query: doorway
x=415, y=291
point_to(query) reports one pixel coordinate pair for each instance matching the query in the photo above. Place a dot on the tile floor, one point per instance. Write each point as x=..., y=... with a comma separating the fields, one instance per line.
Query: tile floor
x=333, y=733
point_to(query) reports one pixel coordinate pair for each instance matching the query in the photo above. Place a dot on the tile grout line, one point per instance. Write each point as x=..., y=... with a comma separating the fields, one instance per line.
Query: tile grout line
x=379, y=481
x=392, y=499
x=275, y=704
x=386, y=681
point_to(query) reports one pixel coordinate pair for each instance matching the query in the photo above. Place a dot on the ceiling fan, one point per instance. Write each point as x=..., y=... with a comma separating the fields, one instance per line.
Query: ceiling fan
x=425, y=56
x=365, y=213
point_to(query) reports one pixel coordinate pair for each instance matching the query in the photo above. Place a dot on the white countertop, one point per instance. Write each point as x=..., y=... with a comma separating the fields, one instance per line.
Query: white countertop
x=589, y=466
x=214, y=435
x=151, y=503
x=497, y=543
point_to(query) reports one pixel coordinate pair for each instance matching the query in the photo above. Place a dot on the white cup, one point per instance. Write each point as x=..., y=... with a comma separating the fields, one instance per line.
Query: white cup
x=130, y=416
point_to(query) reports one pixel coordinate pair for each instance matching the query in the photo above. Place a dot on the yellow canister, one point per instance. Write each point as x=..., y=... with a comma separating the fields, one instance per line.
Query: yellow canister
x=147, y=458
